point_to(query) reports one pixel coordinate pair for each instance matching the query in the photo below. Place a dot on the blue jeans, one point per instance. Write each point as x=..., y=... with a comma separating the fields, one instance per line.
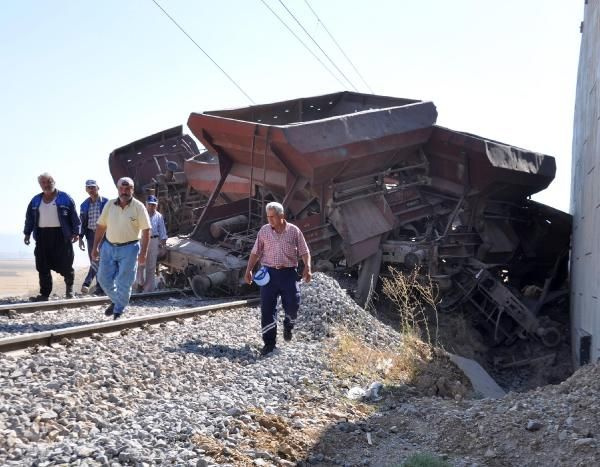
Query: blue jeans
x=116, y=273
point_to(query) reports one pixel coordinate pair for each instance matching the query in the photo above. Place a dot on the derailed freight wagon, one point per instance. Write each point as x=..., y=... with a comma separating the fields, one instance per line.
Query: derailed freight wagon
x=372, y=181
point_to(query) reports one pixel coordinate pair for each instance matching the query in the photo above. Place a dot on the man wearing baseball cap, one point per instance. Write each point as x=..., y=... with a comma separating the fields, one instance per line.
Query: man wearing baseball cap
x=120, y=253
x=89, y=213
x=158, y=239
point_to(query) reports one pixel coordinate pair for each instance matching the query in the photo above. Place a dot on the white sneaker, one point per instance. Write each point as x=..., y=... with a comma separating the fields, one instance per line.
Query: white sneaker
x=85, y=289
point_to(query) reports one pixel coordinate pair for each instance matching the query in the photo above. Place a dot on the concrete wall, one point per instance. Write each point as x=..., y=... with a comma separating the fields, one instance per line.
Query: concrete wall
x=585, y=195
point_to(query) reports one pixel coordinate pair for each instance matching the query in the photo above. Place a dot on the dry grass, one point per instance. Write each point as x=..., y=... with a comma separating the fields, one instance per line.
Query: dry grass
x=417, y=360
x=353, y=357
x=413, y=295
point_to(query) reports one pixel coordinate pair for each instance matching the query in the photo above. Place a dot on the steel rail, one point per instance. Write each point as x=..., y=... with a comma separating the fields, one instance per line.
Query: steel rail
x=32, y=307
x=23, y=341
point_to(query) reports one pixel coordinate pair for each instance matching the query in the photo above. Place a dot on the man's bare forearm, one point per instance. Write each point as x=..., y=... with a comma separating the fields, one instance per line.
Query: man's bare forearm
x=306, y=261
x=252, y=262
x=98, y=236
x=145, y=242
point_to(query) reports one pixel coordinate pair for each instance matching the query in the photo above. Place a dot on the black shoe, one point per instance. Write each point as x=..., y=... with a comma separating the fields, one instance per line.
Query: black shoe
x=69, y=294
x=117, y=315
x=287, y=335
x=39, y=298
x=267, y=349
x=110, y=310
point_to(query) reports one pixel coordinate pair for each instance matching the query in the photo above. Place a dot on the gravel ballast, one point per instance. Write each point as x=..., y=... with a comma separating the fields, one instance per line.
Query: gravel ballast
x=196, y=392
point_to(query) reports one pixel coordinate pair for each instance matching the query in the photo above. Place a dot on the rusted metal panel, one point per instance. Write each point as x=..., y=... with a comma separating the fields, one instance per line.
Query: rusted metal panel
x=203, y=176
x=487, y=166
x=146, y=157
x=376, y=135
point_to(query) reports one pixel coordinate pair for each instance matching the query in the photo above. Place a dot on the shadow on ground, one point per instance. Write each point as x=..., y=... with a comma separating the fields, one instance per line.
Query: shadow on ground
x=244, y=355
x=23, y=328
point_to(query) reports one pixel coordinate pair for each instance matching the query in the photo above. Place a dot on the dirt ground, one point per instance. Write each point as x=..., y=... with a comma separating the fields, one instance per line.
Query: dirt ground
x=18, y=278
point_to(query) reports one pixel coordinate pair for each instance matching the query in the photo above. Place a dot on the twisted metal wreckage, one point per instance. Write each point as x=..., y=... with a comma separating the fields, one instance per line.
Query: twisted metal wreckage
x=372, y=182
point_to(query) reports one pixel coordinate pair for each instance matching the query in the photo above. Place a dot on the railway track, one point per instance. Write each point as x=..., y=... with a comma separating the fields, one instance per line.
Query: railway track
x=32, y=307
x=24, y=341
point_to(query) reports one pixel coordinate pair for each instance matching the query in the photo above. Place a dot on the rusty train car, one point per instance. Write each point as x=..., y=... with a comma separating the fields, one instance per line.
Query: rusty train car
x=373, y=182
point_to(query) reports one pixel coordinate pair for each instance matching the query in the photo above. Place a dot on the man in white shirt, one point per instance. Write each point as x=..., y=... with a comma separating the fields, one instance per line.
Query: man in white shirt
x=52, y=218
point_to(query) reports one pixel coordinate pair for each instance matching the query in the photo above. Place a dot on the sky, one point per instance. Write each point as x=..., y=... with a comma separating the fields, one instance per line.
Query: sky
x=81, y=78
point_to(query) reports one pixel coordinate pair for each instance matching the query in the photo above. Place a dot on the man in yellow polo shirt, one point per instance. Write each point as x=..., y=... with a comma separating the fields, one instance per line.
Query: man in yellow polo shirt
x=120, y=224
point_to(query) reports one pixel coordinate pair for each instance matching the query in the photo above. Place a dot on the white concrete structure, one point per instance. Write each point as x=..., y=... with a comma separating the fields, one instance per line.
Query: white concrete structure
x=585, y=195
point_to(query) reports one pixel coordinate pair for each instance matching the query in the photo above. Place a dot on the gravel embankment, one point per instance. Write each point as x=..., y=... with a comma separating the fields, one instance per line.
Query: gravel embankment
x=167, y=394
x=197, y=393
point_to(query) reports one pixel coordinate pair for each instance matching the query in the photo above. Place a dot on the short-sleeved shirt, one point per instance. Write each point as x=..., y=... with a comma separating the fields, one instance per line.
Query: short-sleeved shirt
x=124, y=224
x=280, y=250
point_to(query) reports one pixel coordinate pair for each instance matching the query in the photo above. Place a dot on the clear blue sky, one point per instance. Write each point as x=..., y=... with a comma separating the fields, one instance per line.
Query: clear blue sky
x=80, y=78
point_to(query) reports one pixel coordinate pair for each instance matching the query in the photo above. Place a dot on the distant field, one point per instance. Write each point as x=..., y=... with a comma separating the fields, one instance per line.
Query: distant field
x=19, y=278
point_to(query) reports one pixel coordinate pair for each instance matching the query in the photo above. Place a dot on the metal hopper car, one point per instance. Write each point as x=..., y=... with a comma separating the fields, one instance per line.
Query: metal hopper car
x=373, y=182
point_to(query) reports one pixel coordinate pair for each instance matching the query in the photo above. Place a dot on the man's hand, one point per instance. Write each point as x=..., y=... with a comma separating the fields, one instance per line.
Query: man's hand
x=141, y=259
x=307, y=274
x=95, y=254
x=81, y=244
x=248, y=276
x=74, y=238
x=26, y=240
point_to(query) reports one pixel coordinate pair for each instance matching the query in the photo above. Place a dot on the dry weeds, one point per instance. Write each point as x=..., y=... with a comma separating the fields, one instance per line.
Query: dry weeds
x=414, y=295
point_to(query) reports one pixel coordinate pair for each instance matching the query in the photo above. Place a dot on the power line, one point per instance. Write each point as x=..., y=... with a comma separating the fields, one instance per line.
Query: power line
x=317, y=44
x=338, y=46
x=204, y=52
x=302, y=42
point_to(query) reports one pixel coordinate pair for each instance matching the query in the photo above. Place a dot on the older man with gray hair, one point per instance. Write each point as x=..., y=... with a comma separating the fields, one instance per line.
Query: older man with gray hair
x=120, y=224
x=278, y=246
x=52, y=218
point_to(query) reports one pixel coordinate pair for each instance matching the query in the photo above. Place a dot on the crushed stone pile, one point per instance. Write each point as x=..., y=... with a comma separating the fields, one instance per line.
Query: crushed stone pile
x=325, y=305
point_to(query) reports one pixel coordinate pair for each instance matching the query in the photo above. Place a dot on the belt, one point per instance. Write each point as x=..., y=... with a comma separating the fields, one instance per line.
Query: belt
x=121, y=244
x=154, y=236
x=281, y=268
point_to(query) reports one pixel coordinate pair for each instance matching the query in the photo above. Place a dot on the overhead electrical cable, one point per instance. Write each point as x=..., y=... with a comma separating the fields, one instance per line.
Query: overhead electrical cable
x=204, y=52
x=339, y=46
x=302, y=42
x=317, y=44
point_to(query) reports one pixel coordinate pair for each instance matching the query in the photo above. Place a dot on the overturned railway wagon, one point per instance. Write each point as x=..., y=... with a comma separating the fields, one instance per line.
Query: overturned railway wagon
x=373, y=182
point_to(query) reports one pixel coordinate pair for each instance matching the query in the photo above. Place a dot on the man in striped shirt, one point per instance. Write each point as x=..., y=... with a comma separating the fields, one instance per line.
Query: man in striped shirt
x=89, y=213
x=278, y=246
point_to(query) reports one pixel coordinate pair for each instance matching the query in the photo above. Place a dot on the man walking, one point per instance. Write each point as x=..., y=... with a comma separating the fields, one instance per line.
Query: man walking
x=52, y=218
x=120, y=224
x=158, y=240
x=278, y=246
x=89, y=213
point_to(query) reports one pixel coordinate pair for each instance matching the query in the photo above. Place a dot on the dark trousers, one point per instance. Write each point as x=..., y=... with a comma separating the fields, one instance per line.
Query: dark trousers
x=53, y=253
x=284, y=283
x=89, y=239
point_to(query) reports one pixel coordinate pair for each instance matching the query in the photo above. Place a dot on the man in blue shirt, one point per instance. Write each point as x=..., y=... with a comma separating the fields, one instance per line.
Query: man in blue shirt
x=89, y=213
x=52, y=218
x=146, y=278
